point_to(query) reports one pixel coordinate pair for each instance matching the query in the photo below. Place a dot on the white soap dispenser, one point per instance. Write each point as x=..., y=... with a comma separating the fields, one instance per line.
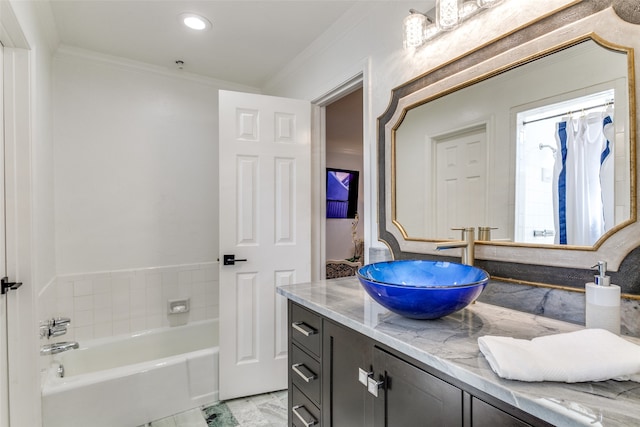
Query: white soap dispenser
x=602, y=308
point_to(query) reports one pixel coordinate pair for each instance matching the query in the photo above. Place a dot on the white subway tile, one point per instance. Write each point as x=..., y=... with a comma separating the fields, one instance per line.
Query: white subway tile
x=185, y=277
x=121, y=327
x=138, y=324
x=170, y=277
x=154, y=280
x=198, y=302
x=103, y=315
x=102, y=301
x=212, y=312
x=82, y=287
x=103, y=330
x=170, y=291
x=64, y=289
x=121, y=311
x=138, y=282
x=83, y=333
x=120, y=297
x=185, y=290
x=82, y=318
x=154, y=321
x=101, y=283
x=197, y=314
x=200, y=288
x=83, y=303
x=64, y=308
x=113, y=303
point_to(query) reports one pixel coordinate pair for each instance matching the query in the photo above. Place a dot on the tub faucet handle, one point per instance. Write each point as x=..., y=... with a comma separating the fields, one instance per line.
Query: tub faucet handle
x=60, y=321
x=56, y=331
x=54, y=327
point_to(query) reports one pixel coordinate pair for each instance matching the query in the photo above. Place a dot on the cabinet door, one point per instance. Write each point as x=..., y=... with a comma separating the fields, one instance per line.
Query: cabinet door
x=485, y=415
x=345, y=401
x=408, y=396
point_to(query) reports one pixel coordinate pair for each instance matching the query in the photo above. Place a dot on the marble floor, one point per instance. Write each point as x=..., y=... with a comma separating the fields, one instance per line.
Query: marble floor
x=264, y=410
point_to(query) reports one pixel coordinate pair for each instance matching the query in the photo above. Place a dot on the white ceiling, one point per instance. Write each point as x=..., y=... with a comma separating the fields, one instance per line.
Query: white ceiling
x=247, y=44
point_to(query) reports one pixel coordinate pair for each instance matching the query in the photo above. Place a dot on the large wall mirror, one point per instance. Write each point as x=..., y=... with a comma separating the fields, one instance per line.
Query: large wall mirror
x=540, y=153
x=533, y=136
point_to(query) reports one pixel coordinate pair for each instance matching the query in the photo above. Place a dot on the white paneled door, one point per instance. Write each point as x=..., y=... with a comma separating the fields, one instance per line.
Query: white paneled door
x=461, y=182
x=265, y=224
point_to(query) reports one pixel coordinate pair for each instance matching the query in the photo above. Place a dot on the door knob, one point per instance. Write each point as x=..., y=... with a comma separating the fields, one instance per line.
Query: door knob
x=230, y=259
x=6, y=285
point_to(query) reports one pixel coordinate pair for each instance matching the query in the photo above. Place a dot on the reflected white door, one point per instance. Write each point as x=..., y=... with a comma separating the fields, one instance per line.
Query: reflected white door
x=461, y=183
x=265, y=204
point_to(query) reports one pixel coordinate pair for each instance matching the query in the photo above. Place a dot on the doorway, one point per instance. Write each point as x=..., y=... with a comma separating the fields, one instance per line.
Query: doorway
x=344, y=151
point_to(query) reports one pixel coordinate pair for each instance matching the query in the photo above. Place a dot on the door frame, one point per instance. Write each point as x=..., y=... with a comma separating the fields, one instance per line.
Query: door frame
x=318, y=167
x=24, y=380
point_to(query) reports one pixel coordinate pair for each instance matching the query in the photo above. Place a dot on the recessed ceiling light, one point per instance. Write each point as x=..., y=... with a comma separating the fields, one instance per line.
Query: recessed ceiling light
x=195, y=22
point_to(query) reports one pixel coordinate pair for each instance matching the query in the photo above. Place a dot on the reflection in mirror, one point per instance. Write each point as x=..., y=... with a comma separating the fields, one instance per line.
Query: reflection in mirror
x=541, y=153
x=567, y=181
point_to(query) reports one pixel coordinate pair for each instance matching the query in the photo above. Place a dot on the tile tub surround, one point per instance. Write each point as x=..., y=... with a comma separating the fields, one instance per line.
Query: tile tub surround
x=106, y=304
x=450, y=346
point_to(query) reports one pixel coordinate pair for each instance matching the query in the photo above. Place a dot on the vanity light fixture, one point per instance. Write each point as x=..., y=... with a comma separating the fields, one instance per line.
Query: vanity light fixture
x=447, y=14
x=195, y=21
x=418, y=27
x=488, y=3
x=414, y=28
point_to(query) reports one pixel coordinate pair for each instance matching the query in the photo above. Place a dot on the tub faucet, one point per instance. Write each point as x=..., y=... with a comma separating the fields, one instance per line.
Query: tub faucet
x=467, y=243
x=58, y=347
x=54, y=327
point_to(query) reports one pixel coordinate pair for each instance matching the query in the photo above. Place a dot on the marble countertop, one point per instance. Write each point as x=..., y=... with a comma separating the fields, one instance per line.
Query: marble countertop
x=450, y=345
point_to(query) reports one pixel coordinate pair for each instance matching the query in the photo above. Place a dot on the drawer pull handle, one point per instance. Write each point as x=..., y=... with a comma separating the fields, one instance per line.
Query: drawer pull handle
x=363, y=376
x=305, y=373
x=304, y=329
x=373, y=386
x=304, y=416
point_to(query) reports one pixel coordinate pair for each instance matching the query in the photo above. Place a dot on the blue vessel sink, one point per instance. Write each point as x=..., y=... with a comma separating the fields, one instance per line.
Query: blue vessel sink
x=422, y=289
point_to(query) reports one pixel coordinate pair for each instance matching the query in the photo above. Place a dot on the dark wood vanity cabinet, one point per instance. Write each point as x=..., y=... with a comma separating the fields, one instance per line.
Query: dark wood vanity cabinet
x=358, y=382
x=346, y=355
x=305, y=368
x=409, y=396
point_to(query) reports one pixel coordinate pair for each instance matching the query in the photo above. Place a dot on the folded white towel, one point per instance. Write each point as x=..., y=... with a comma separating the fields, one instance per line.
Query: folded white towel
x=585, y=355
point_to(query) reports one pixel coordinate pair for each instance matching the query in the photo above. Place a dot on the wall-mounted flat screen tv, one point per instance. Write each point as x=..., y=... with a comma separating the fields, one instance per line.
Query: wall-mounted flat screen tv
x=342, y=193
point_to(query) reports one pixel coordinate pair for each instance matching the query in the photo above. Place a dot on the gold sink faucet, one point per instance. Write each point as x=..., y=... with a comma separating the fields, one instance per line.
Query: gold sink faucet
x=467, y=243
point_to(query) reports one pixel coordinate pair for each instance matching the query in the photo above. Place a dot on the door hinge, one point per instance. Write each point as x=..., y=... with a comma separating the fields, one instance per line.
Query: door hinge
x=6, y=285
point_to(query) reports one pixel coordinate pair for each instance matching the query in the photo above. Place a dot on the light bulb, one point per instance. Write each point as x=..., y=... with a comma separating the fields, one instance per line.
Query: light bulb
x=447, y=14
x=414, y=27
x=195, y=22
x=488, y=3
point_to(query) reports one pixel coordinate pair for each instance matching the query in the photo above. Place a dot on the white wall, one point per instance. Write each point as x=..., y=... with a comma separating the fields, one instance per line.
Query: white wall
x=136, y=182
x=369, y=40
x=344, y=151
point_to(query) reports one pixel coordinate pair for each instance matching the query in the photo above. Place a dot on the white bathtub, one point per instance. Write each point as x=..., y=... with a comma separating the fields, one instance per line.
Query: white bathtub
x=130, y=380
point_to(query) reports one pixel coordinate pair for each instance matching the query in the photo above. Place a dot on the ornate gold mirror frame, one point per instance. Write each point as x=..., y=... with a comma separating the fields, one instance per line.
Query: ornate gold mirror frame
x=612, y=24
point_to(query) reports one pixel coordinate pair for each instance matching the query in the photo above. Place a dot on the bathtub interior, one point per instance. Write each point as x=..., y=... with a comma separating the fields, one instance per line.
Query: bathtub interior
x=137, y=393
x=108, y=353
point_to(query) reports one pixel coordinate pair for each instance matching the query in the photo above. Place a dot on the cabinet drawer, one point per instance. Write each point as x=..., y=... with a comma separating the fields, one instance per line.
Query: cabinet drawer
x=485, y=415
x=305, y=329
x=303, y=412
x=305, y=373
